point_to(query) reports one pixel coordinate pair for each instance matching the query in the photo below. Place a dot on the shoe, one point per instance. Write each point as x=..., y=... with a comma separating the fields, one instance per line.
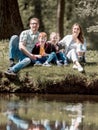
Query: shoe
x=37, y=64
x=46, y=64
x=80, y=68
x=12, y=63
x=10, y=73
x=58, y=63
x=75, y=67
x=65, y=63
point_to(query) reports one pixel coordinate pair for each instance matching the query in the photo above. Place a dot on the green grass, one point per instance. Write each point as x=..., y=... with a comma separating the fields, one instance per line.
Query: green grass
x=34, y=76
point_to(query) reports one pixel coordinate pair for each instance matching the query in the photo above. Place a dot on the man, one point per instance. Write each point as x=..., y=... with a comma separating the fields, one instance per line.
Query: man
x=21, y=47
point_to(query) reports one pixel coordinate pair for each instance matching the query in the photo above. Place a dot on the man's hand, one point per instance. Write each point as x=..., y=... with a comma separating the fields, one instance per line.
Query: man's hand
x=33, y=57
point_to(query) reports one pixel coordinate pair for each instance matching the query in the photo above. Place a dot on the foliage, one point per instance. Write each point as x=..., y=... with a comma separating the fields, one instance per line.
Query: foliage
x=48, y=12
x=87, y=12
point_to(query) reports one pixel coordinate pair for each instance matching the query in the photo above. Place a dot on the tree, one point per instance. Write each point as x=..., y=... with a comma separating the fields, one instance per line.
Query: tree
x=37, y=12
x=10, y=20
x=87, y=12
x=60, y=17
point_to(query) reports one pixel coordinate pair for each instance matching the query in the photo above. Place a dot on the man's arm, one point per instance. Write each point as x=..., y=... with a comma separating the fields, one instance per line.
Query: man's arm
x=25, y=51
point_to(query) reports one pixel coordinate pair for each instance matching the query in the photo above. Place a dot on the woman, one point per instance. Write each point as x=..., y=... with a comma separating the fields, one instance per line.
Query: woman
x=71, y=44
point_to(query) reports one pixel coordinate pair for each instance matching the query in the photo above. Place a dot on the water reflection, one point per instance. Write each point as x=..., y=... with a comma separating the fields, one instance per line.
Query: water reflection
x=48, y=112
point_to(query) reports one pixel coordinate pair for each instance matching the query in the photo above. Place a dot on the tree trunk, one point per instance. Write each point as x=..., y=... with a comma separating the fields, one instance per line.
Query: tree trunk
x=10, y=20
x=60, y=17
x=37, y=12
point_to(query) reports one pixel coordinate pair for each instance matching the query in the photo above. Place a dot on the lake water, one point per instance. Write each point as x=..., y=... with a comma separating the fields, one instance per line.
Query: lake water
x=53, y=112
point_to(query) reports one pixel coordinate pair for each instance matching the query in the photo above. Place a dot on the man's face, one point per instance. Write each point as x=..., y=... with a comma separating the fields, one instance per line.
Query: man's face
x=34, y=25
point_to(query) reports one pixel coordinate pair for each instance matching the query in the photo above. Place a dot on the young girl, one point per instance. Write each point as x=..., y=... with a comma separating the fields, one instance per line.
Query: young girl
x=54, y=39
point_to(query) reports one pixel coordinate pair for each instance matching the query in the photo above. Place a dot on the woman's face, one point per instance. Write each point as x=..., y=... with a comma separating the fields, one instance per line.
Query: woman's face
x=76, y=30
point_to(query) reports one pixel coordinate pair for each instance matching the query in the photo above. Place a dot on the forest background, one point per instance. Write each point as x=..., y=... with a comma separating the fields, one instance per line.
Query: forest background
x=58, y=15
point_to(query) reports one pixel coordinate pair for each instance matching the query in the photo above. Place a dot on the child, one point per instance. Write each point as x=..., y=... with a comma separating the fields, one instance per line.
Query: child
x=54, y=39
x=43, y=51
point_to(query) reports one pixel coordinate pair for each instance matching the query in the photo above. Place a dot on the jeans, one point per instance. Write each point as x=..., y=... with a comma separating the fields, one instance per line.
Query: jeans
x=15, y=53
x=61, y=57
x=50, y=58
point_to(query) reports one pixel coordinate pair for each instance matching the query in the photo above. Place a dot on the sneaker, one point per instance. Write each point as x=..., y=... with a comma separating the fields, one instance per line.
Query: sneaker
x=58, y=63
x=80, y=68
x=75, y=66
x=46, y=64
x=10, y=73
x=65, y=63
x=37, y=64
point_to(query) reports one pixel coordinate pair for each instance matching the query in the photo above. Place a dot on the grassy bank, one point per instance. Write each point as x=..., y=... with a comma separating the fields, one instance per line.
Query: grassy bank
x=52, y=79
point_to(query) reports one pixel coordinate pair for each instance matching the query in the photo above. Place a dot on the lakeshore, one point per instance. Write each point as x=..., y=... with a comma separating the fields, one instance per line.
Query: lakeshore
x=52, y=80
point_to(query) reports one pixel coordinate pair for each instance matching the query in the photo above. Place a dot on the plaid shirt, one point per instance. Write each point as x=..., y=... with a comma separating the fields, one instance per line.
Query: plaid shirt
x=29, y=39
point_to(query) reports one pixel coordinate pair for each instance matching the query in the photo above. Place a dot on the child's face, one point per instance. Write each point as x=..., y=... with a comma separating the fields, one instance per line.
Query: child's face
x=54, y=39
x=42, y=40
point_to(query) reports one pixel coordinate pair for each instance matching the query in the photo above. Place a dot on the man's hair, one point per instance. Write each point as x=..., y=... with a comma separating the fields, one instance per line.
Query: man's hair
x=36, y=19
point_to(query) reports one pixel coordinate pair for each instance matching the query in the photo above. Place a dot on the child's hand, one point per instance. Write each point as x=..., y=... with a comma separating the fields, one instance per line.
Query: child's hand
x=45, y=54
x=38, y=56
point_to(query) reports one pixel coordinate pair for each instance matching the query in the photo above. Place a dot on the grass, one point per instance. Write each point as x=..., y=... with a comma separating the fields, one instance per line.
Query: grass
x=39, y=78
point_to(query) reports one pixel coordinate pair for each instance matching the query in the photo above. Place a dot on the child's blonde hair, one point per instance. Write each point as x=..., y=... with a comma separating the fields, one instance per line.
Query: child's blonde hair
x=55, y=34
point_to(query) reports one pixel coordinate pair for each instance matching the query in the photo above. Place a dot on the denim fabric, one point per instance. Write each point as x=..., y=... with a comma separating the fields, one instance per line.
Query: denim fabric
x=42, y=60
x=21, y=64
x=50, y=58
x=61, y=57
x=15, y=53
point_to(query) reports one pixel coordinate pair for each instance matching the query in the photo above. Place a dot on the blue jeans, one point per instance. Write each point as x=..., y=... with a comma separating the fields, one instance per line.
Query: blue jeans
x=61, y=57
x=50, y=58
x=15, y=53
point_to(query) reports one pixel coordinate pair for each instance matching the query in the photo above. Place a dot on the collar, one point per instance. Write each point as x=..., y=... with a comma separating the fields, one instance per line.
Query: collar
x=32, y=33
